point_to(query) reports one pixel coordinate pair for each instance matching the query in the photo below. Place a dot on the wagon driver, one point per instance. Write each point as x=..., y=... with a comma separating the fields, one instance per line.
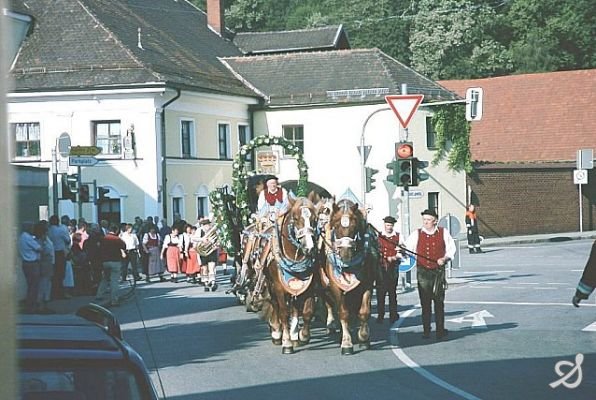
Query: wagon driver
x=273, y=200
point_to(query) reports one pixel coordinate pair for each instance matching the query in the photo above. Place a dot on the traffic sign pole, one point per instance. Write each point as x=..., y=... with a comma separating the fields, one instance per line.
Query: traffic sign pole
x=79, y=202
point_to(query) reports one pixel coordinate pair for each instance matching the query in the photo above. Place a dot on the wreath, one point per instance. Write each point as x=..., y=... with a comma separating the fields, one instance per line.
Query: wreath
x=239, y=177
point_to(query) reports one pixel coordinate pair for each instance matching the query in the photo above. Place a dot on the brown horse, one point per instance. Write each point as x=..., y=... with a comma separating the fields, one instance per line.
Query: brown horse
x=289, y=268
x=349, y=270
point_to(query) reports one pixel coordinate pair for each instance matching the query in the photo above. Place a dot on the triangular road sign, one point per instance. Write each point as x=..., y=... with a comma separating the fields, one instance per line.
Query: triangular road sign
x=366, y=151
x=404, y=106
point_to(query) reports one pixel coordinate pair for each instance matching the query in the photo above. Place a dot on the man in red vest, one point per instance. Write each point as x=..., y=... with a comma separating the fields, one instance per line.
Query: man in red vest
x=389, y=242
x=273, y=200
x=434, y=247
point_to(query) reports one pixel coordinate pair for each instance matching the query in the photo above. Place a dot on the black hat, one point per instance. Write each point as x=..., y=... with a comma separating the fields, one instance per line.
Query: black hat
x=389, y=220
x=269, y=177
x=430, y=212
x=205, y=221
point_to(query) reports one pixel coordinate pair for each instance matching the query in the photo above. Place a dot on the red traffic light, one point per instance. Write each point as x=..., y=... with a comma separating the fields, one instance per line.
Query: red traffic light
x=404, y=150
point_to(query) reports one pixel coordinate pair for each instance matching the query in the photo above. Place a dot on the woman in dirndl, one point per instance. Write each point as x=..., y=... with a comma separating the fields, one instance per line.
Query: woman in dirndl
x=152, y=247
x=193, y=263
x=172, y=252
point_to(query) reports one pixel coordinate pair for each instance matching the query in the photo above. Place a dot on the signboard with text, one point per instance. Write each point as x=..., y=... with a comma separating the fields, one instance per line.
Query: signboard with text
x=84, y=151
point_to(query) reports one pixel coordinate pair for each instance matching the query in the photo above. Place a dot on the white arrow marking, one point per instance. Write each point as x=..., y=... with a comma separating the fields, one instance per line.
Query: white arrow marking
x=477, y=319
x=590, y=328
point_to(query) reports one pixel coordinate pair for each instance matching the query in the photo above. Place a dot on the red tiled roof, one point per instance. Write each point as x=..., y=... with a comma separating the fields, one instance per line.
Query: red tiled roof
x=533, y=117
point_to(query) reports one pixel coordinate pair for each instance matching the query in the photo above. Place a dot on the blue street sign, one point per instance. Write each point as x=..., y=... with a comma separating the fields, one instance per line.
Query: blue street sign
x=407, y=263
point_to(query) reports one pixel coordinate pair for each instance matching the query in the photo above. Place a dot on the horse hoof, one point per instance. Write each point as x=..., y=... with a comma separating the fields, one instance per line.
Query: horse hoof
x=346, y=351
x=304, y=341
x=287, y=350
x=276, y=342
x=365, y=345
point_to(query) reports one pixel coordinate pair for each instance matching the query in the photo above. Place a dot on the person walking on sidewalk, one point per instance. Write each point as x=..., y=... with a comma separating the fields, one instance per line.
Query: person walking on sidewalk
x=587, y=283
x=132, y=253
x=389, y=242
x=113, y=251
x=172, y=252
x=30, y=252
x=472, y=227
x=433, y=247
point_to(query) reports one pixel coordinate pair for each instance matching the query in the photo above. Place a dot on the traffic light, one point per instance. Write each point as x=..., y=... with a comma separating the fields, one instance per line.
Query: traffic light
x=369, y=178
x=392, y=167
x=405, y=173
x=69, y=187
x=101, y=193
x=404, y=156
x=418, y=171
x=84, y=193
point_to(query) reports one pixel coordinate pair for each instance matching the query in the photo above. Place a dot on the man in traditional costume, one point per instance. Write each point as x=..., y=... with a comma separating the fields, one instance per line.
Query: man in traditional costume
x=433, y=247
x=587, y=283
x=389, y=242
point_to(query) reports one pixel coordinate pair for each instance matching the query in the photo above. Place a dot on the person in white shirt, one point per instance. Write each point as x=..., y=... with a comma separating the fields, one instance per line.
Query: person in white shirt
x=132, y=253
x=273, y=200
x=434, y=247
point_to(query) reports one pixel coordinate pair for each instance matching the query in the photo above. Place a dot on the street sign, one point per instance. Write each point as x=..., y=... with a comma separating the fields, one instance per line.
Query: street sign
x=451, y=223
x=416, y=194
x=585, y=159
x=85, y=151
x=82, y=161
x=580, y=177
x=406, y=264
x=64, y=144
x=366, y=151
x=404, y=106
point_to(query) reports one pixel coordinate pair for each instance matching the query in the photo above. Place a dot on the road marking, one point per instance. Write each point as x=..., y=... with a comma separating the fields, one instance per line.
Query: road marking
x=591, y=327
x=511, y=303
x=487, y=272
x=528, y=283
x=477, y=319
x=404, y=358
x=514, y=287
x=555, y=283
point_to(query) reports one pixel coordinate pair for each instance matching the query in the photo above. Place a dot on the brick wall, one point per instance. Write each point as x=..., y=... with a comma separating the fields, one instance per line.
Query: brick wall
x=531, y=200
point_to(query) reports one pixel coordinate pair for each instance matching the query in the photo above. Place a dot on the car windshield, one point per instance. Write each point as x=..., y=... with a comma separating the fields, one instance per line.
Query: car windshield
x=79, y=383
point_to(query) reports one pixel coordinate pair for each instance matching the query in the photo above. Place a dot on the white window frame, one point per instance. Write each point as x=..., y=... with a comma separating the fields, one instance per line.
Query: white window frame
x=248, y=136
x=13, y=133
x=109, y=122
x=293, y=139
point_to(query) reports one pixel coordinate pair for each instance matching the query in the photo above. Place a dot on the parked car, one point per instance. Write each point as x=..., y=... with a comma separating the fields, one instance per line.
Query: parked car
x=79, y=357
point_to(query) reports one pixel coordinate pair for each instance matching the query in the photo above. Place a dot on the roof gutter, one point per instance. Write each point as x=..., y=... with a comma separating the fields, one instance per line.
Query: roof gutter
x=164, y=179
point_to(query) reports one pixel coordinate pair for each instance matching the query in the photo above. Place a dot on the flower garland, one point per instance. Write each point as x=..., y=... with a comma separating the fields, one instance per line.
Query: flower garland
x=239, y=177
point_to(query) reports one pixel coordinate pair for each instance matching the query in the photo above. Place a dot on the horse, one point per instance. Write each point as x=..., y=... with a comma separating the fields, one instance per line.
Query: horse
x=350, y=270
x=289, y=263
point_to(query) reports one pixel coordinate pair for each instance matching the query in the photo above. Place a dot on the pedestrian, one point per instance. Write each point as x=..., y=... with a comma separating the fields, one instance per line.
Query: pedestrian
x=193, y=261
x=587, y=283
x=165, y=229
x=59, y=235
x=30, y=253
x=151, y=244
x=92, y=279
x=46, y=261
x=132, y=254
x=82, y=229
x=434, y=248
x=79, y=260
x=112, y=250
x=209, y=261
x=389, y=244
x=172, y=252
x=472, y=225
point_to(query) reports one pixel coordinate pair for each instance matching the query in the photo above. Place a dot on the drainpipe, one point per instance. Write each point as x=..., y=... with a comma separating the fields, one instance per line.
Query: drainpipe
x=164, y=179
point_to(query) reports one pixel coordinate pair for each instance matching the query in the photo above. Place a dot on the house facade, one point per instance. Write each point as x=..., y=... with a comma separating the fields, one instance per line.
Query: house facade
x=169, y=95
x=525, y=151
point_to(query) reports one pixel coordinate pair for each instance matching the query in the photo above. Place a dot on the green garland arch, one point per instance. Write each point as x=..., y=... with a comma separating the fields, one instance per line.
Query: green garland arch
x=239, y=176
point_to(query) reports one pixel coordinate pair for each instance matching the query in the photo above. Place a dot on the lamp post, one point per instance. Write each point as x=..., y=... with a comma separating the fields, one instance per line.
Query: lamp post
x=363, y=154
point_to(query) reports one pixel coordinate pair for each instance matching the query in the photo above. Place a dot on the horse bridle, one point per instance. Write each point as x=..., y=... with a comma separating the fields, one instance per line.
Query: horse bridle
x=295, y=234
x=347, y=242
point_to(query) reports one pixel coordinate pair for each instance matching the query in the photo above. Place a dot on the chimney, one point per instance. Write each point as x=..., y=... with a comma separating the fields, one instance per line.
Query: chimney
x=215, y=16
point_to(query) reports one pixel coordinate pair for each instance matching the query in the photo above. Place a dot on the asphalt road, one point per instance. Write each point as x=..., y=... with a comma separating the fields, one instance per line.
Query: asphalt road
x=508, y=310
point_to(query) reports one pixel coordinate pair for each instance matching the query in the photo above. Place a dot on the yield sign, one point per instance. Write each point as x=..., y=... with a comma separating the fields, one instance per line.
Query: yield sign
x=404, y=106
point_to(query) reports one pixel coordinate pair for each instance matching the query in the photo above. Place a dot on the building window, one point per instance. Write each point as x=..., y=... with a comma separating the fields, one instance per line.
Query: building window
x=202, y=210
x=431, y=134
x=224, y=141
x=177, y=208
x=186, y=135
x=433, y=201
x=244, y=137
x=26, y=139
x=107, y=136
x=295, y=134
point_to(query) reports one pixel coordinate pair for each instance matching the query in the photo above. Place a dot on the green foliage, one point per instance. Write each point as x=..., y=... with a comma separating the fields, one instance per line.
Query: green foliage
x=453, y=136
